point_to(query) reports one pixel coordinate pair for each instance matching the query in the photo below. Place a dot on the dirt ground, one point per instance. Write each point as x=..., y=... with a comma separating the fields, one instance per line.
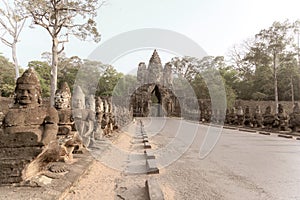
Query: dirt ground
x=103, y=182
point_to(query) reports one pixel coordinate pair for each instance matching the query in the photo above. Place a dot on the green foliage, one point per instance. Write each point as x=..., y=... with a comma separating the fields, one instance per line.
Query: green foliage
x=108, y=80
x=7, y=77
x=43, y=70
x=68, y=69
x=206, y=76
x=125, y=84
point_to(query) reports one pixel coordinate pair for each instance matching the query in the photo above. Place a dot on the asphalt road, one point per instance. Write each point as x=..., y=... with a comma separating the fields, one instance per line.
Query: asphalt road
x=241, y=165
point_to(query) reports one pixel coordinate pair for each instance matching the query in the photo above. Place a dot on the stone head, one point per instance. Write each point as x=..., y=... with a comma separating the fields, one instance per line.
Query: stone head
x=268, y=109
x=233, y=110
x=28, y=89
x=280, y=108
x=78, y=99
x=142, y=66
x=247, y=109
x=99, y=105
x=62, y=99
x=90, y=103
x=296, y=108
x=257, y=110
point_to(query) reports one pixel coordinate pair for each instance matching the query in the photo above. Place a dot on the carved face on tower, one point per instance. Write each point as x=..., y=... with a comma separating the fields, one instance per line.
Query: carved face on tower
x=28, y=90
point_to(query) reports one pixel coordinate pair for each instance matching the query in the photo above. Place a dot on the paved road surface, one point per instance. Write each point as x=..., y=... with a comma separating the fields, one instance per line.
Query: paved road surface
x=242, y=165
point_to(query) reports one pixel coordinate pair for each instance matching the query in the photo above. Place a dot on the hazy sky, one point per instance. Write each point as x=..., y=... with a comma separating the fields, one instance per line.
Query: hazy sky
x=215, y=25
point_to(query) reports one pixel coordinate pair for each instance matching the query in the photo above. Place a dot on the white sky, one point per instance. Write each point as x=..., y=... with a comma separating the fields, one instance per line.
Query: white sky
x=215, y=25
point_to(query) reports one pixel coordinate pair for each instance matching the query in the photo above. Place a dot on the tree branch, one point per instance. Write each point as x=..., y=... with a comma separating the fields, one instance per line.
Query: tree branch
x=9, y=44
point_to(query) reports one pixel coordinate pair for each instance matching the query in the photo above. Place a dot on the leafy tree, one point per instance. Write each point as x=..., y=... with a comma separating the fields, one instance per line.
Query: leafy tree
x=107, y=81
x=231, y=82
x=12, y=22
x=61, y=19
x=288, y=76
x=269, y=51
x=43, y=70
x=68, y=69
x=125, y=84
x=203, y=76
x=7, y=81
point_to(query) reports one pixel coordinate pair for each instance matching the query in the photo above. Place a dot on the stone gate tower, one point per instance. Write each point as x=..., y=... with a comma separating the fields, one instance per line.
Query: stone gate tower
x=154, y=96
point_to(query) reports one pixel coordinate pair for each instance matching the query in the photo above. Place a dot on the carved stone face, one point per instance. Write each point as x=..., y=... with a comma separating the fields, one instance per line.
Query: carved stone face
x=90, y=103
x=26, y=94
x=61, y=101
x=268, y=110
x=78, y=103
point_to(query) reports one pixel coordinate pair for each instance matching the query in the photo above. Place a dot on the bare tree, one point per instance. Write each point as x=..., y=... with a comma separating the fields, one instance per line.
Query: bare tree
x=11, y=22
x=62, y=18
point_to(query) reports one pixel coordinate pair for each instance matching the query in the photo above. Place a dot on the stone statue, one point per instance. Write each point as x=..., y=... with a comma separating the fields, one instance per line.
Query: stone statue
x=226, y=116
x=295, y=118
x=257, y=118
x=268, y=118
x=215, y=116
x=83, y=118
x=155, y=69
x=99, y=116
x=281, y=119
x=240, y=115
x=90, y=103
x=232, y=117
x=142, y=73
x=168, y=77
x=27, y=129
x=248, y=118
x=62, y=103
x=207, y=115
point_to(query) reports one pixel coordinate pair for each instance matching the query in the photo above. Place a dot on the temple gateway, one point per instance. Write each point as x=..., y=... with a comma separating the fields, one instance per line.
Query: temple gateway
x=153, y=96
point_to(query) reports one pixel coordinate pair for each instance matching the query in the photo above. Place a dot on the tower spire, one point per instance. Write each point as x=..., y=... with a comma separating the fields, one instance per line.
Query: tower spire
x=155, y=59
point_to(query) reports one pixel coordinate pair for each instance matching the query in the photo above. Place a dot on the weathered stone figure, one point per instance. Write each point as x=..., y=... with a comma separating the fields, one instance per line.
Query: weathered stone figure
x=232, y=117
x=90, y=107
x=142, y=73
x=90, y=103
x=99, y=116
x=268, y=118
x=63, y=106
x=84, y=118
x=155, y=69
x=248, y=119
x=27, y=129
x=240, y=115
x=281, y=119
x=295, y=118
x=207, y=115
x=168, y=77
x=257, y=117
x=215, y=116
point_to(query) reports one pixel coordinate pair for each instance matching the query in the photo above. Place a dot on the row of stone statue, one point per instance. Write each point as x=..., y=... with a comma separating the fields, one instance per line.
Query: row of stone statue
x=91, y=118
x=256, y=119
x=32, y=134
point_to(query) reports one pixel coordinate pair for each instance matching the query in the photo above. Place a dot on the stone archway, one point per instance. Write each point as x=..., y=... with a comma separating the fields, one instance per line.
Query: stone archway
x=154, y=96
x=154, y=100
x=155, y=103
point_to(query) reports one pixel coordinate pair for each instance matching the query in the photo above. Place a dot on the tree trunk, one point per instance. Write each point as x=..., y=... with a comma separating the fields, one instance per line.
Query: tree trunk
x=15, y=60
x=292, y=90
x=54, y=70
x=275, y=66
